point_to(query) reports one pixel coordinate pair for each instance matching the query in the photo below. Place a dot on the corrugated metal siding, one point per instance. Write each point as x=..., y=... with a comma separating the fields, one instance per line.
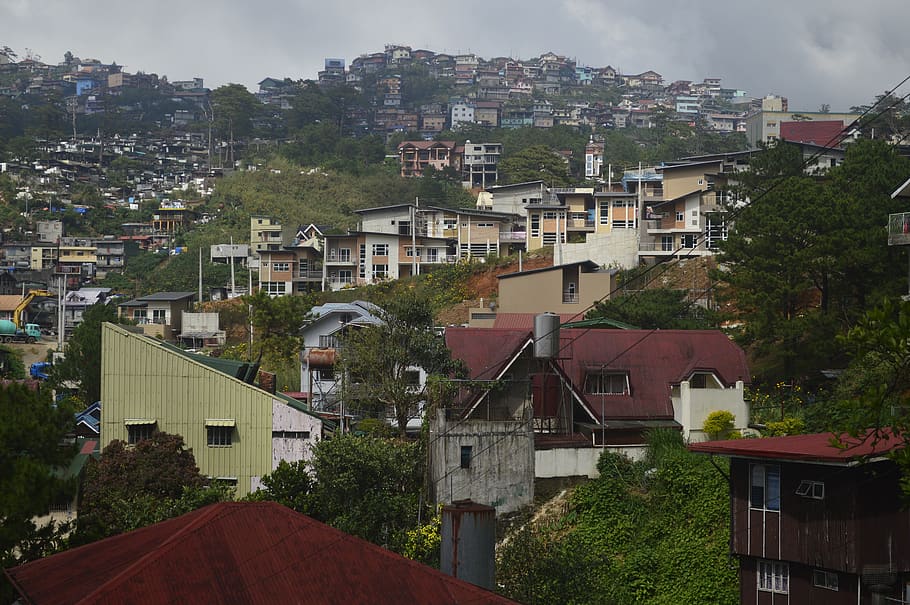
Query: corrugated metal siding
x=141, y=379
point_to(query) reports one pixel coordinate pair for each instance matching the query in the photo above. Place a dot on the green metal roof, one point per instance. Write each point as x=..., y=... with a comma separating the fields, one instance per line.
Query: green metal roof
x=600, y=322
x=241, y=370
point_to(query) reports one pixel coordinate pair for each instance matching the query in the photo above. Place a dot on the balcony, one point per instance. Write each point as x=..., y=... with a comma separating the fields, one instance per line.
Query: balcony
x=569, y=298
x=899, y=229
x=513, y=236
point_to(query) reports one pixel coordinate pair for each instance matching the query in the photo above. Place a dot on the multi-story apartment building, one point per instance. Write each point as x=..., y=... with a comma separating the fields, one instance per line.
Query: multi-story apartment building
x=110, y=255
x=480, y=164
x=268, y=235
x=416, y=156
x=397, y=241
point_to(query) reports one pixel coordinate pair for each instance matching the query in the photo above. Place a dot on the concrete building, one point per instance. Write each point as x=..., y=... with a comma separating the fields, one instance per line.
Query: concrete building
x=569, y=288
x=480, y=164
x=159, y=315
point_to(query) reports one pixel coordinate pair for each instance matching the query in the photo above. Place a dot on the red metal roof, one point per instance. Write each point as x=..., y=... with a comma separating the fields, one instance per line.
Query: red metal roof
x=238, y=552
x=818, y=132
x=485, y=351
x=654, y=361
x=817, y=447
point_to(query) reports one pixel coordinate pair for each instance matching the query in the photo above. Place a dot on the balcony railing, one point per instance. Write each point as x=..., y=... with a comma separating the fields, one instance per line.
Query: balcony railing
x=513, y=236
x=569, y=298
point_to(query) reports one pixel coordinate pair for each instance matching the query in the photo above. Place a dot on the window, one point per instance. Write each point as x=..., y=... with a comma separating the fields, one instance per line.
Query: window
x=159, y=316
x=412, y=378
x=765, y=490
x=344, y=255
x=136, y=431
x=702, y=380
x=666, y=243
x=466, y=452
x=599, y=383
x=281, y=266
x=380, y=271
x=824, y=579
x=549, y=215
x=811, y=489
x=380, y=249
x=219, y=436
x=432, y=255
x=774, y=576
x=689, y=240
x=680, y=217
x=274, y=288
x=345, y=276
x=535, y=225
x=409, y=252
x=290, y=434
x=483, y=225
x=324, y=374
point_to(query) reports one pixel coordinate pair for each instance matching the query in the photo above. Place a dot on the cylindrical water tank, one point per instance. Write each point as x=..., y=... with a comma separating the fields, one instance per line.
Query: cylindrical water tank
x=546, y=335
x=469, y=542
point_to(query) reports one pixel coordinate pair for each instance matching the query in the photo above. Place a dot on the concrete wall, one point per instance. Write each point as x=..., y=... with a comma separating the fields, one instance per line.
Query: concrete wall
x=292, y=448
x=617, y=249
x=578, y=462
x=691, y=407
x=501, y=472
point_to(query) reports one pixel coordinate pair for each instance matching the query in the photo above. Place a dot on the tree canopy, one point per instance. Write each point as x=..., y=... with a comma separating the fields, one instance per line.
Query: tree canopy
x=382, y=363
x=808, y=255
x=82, y=361
x=366, y=486
x=135, y=486
x=537, y=162
x=32, y=429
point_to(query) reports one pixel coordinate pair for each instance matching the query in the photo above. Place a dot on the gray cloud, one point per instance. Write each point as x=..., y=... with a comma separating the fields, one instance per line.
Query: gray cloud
x=811, y=51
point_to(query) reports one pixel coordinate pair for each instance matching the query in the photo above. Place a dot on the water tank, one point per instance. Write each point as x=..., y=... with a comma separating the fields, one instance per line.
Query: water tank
x=546, y=336
x=469, y=542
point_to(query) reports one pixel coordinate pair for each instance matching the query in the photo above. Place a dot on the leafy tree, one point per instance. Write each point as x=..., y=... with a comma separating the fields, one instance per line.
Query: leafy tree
x=32, y=429
x=655, y=309
x=366, y=486
x=534, y=163
x=380, y=362
x=235, y=108
x=131, y=487
x=82, y=362
x=874, y=392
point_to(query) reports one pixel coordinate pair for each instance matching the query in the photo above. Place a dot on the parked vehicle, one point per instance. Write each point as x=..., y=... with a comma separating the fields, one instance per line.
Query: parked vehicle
x=40, y=369
x=9, y=332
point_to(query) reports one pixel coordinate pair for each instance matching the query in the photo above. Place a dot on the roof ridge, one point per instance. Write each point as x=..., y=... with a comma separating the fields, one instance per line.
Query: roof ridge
x=204, y=516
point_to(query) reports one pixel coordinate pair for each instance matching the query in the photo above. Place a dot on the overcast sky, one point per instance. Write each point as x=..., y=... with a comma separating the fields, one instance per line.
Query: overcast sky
x=811, y=51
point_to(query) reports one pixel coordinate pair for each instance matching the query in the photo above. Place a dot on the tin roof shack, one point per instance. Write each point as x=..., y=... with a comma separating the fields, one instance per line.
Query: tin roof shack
x=815, y=523
x=238, y=432
x=201, y=330
x=253, y=552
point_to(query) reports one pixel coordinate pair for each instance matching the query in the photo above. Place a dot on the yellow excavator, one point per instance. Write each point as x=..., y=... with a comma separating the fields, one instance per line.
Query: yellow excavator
x=15, y=330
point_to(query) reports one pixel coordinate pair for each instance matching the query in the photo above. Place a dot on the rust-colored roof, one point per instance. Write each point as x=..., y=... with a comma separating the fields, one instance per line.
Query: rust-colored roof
x=486, y=351
x=654, y=361
x=427, y=144
x=817, y=447
x=826, y=133
x=238, y=552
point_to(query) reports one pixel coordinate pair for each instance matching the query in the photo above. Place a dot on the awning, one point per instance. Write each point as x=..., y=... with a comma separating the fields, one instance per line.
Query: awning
x=134, y=421
x=220, y=422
